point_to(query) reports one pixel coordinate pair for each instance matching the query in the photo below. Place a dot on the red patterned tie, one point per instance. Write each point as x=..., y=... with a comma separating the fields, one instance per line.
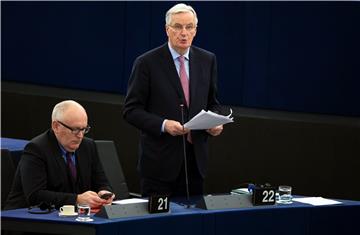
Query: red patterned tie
x=71, y=165
x=185, y=86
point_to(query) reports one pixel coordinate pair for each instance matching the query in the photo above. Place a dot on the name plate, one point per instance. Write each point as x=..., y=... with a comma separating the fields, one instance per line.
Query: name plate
x=158, y=204
x=264, y=196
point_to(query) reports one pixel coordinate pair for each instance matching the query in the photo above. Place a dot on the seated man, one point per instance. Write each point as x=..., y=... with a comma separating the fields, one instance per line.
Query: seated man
x=60, y=166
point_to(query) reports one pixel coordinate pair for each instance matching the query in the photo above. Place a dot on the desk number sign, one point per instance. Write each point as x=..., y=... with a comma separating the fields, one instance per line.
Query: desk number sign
x=158, y=204
x=263, y=196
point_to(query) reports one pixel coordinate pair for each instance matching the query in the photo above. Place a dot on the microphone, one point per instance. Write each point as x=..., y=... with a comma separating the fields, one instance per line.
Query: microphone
x=185, y=158
x=42, y=208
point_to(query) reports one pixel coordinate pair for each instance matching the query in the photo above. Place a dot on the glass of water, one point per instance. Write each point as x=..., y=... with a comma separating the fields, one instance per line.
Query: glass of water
x=285, y=196
x=84, y=213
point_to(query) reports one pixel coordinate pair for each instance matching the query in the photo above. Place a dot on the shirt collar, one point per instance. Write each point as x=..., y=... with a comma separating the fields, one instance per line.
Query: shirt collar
x=63, y=150
x=175, y=55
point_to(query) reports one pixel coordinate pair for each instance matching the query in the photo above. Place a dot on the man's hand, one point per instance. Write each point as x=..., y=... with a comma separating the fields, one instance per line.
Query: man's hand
x=108, y=201
x=91, y=198
x=174, y=128
x=215, y=131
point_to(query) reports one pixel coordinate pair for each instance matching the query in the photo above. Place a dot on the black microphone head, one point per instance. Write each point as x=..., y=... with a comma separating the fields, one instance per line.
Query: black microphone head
x=181, y=99
x=43, y=205
x=46, y=206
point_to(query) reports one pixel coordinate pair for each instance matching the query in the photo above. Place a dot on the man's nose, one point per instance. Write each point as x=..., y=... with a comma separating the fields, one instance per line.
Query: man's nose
x=80, y=134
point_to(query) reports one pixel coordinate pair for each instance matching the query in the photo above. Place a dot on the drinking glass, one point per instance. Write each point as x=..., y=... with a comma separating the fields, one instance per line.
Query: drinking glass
x=285, y=196
x=84, y=213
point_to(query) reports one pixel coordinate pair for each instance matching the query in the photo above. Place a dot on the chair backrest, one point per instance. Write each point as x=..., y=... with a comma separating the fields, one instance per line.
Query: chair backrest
x=112, y=167
x=7, y=175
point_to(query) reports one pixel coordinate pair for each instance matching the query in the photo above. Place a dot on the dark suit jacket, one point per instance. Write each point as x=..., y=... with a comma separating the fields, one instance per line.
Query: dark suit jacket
x=42, y=174
x=154, y=94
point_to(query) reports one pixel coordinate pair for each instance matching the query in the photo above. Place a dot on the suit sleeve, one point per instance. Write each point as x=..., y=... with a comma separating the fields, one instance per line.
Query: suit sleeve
x=139, y=90
x=213, y=103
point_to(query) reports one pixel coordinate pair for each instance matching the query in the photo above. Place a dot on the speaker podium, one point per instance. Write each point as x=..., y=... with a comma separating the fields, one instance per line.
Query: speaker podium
x=214, y=202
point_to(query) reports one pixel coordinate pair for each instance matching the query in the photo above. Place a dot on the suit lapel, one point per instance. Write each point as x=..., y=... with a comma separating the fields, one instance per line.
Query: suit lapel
x=60, y=162
x=63, y=168
x=82, y=164
x=195, y=71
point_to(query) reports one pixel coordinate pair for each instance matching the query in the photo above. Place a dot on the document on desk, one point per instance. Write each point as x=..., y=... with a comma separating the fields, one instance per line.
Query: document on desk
x=316, y=201
x=207, y=119
x=129, y=201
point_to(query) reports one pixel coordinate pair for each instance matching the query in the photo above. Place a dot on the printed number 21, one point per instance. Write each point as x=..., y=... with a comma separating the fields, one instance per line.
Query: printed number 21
x=162, y=203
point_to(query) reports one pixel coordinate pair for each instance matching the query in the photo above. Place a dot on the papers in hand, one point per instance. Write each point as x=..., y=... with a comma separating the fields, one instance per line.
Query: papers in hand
x=207, y=119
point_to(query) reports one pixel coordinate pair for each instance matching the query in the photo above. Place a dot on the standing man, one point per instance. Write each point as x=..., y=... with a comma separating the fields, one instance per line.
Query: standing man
x=172, y=82
x=60, y=166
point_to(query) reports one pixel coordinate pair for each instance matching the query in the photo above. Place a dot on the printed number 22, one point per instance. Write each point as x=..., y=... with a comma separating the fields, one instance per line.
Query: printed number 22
x=268, y=196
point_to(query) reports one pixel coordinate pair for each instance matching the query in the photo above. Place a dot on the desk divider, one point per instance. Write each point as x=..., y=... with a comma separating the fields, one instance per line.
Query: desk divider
x=215, y=202
x=123, y=210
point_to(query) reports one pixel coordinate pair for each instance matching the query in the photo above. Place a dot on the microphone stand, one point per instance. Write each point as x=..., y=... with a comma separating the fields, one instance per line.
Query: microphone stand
x=185, y=158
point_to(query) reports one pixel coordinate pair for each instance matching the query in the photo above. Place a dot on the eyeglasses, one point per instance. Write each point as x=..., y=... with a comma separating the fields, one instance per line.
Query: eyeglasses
x=179, y=27
x=76, y=131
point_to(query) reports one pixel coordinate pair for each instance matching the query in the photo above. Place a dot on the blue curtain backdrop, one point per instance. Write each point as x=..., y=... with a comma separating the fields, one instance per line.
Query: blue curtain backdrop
x=295, y=56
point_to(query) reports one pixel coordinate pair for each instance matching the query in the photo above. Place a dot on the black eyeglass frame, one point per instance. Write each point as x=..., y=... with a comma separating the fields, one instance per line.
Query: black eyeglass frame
x=76, y=131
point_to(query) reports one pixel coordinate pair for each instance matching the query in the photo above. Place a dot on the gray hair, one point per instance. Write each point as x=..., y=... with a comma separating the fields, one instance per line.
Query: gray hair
x=179, y=8
x=60, y=108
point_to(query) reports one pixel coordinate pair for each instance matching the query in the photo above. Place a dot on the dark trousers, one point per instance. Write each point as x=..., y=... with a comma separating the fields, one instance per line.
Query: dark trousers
x=177, y=188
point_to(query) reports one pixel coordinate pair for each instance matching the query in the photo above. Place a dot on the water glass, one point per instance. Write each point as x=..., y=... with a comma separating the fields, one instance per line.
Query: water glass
x=285, y=196
x=84, y=213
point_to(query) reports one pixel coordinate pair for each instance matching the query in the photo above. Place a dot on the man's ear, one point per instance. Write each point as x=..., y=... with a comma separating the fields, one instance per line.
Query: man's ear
x=54, y=126
x=195, y=32
x=167, y=30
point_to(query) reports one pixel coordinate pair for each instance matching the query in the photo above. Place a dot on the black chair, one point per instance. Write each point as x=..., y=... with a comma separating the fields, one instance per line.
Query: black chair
x=7, y=175
x=112, y=167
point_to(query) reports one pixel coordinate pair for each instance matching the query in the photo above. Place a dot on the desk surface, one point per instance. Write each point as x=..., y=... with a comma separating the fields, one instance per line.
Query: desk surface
x=177, y=221
x=296, y=218
x=13, y=144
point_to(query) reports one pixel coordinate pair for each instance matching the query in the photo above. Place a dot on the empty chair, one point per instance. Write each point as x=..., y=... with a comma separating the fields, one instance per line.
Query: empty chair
x=7, y=175
x=112, y=167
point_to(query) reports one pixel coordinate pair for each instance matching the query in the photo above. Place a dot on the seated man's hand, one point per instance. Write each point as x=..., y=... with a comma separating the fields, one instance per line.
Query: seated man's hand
x=91, y=198
x=110, y=199
x=106, y=201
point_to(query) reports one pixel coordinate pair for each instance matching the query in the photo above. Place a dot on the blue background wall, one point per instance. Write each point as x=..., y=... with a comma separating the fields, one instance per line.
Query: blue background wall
x=295, y=56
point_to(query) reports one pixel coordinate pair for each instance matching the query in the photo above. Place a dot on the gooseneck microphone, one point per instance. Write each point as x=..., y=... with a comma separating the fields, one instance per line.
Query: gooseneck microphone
x=185, y=158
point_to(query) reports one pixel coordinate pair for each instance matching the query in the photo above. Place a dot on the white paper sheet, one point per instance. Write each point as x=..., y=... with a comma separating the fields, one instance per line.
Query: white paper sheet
x=316, y=201
x=130, y=201
x=240, y=191
x=207, y=119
